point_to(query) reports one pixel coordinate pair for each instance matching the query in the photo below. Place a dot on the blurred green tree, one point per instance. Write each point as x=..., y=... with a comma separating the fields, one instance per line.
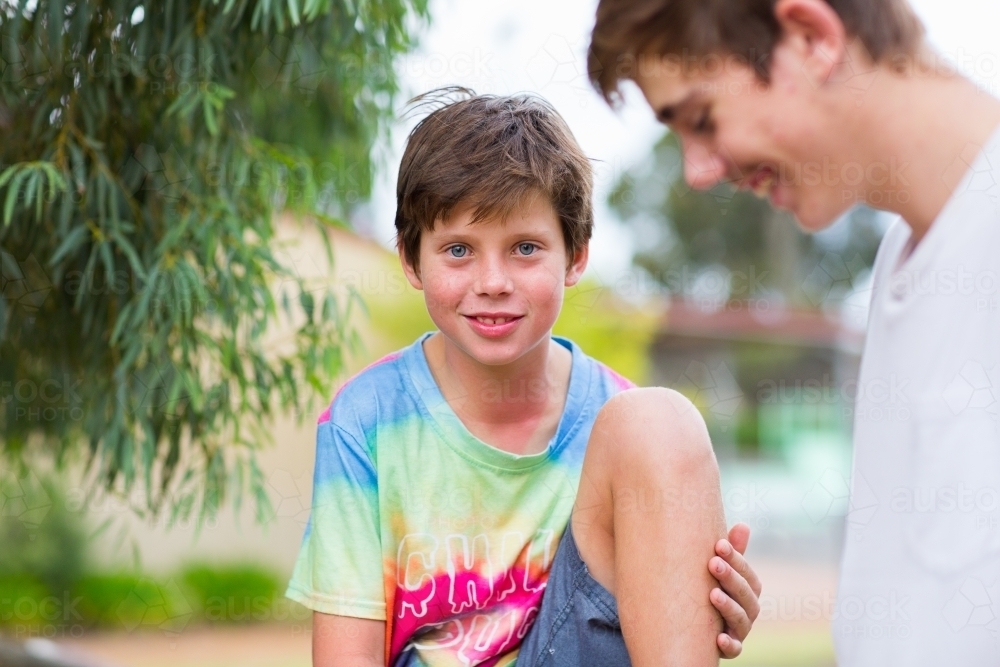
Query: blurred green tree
x=145, y=148
x=755, y=251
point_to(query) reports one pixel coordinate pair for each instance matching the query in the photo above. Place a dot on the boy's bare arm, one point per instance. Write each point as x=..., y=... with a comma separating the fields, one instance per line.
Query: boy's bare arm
x=343, y=641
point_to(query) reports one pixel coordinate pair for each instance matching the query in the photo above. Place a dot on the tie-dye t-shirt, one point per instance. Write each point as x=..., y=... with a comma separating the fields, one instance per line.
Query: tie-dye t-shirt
x=417, y=522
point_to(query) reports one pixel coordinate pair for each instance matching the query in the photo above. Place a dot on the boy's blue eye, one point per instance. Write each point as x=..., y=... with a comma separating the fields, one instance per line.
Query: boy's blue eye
x=461, y=248
x=526, y=248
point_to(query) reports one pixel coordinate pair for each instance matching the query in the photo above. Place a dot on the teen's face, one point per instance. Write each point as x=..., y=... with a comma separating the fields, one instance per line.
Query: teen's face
x=495, y=288
x=763, y=137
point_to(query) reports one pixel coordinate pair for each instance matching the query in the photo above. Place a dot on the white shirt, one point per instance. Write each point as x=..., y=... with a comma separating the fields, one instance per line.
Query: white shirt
x=920, y=577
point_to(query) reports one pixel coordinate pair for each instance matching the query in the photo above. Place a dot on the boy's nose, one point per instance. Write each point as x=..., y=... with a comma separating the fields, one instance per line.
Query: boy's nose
x=703, y=167
x=493, y=278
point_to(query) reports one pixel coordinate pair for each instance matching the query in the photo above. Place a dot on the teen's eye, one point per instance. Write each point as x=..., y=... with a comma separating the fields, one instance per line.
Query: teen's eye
x=458, y=251
x=527, y=248
x=703, y=123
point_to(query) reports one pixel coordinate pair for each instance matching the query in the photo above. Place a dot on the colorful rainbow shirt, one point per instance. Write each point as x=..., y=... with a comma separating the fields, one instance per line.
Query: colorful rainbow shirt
x=417, y=522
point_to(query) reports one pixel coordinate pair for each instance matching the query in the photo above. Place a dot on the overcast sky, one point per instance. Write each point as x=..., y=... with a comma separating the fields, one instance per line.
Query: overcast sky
x=539, y=45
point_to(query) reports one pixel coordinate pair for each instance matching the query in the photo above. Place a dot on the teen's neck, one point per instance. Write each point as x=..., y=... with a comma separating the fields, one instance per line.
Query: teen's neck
x=512, y=402
x=930, y=127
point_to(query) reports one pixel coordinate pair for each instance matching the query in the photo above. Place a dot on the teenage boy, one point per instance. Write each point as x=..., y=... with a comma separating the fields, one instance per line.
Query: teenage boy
x=446, y=473
x=818, y=106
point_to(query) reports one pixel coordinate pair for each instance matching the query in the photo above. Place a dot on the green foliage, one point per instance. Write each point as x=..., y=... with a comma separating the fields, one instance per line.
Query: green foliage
x=15, y=589
x=197, y=594
x=237, y=593
x=146, y=148
x=685, y=231
x=41, y=543
x=109, y=600
x=607, y=329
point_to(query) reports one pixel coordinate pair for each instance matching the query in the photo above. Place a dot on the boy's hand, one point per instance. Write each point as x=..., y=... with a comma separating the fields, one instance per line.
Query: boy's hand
x=737, y=600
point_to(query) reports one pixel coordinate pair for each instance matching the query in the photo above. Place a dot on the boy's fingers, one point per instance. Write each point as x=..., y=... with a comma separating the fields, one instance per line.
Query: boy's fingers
x=736, y=587
x=738, y=563
x=729, y=647
x=739, y=537
x=737, y=622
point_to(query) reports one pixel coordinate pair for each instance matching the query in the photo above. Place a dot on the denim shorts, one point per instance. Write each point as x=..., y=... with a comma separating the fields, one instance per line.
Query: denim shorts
x=577, y=624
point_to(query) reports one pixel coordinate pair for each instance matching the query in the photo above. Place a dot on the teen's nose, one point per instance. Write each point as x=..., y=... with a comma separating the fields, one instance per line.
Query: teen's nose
x=703, y=166
x=493, y=278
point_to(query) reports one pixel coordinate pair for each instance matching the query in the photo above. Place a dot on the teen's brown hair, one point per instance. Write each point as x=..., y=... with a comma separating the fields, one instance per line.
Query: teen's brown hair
x=627, y=30
x=493, y=153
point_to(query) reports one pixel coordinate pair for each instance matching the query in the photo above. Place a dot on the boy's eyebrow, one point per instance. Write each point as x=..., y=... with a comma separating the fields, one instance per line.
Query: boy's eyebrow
x=464, y=235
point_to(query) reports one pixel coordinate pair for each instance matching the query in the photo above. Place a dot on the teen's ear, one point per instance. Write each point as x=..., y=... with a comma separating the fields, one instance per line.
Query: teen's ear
x=579, y=264
x=412, y=273
x=814, y=35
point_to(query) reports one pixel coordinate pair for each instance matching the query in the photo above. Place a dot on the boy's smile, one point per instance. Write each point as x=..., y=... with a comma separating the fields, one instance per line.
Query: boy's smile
x=494, y=288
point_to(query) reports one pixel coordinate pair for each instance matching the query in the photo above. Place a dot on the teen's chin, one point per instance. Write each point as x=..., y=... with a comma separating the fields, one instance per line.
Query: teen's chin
x=812, y=214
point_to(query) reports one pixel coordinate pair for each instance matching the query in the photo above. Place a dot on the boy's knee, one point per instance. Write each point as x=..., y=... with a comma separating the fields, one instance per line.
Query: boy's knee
x=654, y=425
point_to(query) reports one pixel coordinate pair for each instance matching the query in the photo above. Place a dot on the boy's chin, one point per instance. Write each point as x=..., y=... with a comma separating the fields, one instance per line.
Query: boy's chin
x=492, y=352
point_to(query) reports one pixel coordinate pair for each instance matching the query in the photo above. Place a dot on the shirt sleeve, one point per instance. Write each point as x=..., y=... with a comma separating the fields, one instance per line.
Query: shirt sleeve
x=339, y=566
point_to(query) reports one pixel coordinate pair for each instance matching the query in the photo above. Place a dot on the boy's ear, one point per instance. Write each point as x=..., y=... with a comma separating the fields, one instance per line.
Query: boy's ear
x=412, y=273
x=579, y=264
x=814, y=34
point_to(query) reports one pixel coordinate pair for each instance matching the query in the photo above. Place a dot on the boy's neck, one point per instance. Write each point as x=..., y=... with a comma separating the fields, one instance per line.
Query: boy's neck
x=507, y=406
x=930, y=128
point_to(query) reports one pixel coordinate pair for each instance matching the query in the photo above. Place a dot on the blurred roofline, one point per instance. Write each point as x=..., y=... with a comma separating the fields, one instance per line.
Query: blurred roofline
x=749, y=321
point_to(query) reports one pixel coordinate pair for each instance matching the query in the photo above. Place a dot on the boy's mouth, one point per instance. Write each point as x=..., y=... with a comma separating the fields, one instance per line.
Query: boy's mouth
x=495, y=320
x=494, y=325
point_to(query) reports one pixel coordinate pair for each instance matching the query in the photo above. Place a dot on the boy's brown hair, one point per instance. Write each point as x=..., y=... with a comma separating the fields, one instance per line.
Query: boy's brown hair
x=494, y=153
x=627, y=30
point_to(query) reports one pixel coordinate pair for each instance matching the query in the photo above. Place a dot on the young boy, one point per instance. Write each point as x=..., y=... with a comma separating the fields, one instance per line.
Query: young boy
x=818, y=106
x=446, y=473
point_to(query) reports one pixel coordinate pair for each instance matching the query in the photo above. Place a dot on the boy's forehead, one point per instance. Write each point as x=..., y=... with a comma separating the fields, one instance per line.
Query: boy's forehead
x=535, y=214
